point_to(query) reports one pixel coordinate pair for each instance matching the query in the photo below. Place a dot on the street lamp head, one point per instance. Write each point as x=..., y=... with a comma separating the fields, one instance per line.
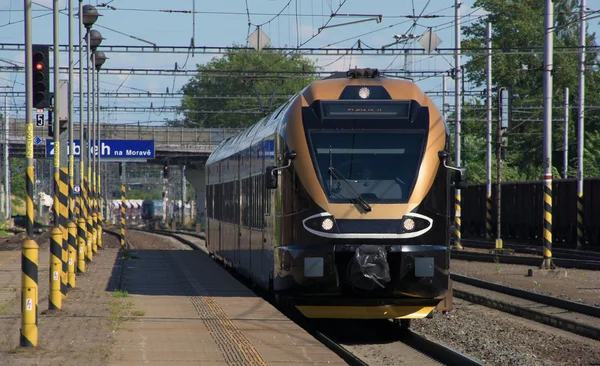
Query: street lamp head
x=95, y=39
x=90, y=15
x=100, y=59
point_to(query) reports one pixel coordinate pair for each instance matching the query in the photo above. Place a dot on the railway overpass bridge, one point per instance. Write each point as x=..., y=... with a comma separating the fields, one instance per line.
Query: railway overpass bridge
x=176, y=146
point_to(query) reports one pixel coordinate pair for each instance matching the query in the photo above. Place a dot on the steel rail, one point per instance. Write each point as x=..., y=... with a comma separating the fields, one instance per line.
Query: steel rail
x=531, y=249
x=529, y=295
x=412, y=339
x=529, y=261
x=552, y=320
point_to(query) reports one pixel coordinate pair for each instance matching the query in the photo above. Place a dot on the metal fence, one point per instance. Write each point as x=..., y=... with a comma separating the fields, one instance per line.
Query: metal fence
x=522, y=210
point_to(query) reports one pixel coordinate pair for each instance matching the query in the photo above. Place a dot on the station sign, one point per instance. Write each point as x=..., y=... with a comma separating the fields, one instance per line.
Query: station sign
x=111, y=149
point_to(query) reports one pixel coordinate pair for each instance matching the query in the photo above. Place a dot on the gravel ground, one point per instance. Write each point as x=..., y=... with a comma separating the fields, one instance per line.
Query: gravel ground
x=573, y=284
x=146, y=240
x=496, y=338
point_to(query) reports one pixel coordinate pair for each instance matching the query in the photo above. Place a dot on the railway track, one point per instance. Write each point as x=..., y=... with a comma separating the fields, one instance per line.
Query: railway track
x=562, y=253
x=529, y=261
x=422, y=351
x=563, y=314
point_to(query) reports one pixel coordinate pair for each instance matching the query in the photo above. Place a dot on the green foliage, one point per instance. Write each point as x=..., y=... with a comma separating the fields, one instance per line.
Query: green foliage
x=518, y=25
x=145, y=193
x=18, y=169
x=591, y=154
x=224, y=76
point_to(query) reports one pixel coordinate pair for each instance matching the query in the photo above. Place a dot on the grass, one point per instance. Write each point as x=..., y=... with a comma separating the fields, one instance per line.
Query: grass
x=138, y=313
x=126, y=255
x=119, y=294
x=118, y=312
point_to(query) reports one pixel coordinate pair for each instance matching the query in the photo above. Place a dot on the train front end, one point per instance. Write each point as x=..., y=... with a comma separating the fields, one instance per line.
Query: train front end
x=364, y=232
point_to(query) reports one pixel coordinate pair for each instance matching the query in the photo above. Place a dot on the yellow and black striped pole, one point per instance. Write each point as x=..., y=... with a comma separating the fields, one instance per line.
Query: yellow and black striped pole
x=99, y=209
x=547, y=222
x=30, y=249
x=488, y=217
x=81, y=245
x=84, y=216
x=100, y=230
x=580, y=239
x=123, y=216
x=63, y=222
x=94, y=216
x=72, y=231
x=72, y=226
x=457, y=221
x=88, y=218
x=56, y=296
x=95, y=232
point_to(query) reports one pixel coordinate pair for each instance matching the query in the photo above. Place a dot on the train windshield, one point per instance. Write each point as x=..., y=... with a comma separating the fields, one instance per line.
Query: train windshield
x=364, y=166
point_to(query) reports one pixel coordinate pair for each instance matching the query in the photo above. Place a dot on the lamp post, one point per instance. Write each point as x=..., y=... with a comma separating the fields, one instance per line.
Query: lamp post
x=99, y=60
x=88, y=16
x=95, y=39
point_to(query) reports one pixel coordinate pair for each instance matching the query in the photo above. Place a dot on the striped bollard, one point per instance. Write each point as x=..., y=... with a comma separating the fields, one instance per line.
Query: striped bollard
x=72, y=232
x=457, y=220
x=90, y=252
x=488, y=217
x=95, y=232
x=55, y=298
x=547, y=263
x=580, y=238
x=29, y=293
x=123, y=216
x=99, y=241
x=81, y=245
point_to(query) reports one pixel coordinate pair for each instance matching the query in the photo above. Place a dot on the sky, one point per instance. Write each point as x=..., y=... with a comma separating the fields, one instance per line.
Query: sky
x=224, y=23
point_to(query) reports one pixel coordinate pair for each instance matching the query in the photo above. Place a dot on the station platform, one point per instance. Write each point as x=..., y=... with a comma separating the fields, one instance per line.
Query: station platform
x=153, y=307
x=196, y=313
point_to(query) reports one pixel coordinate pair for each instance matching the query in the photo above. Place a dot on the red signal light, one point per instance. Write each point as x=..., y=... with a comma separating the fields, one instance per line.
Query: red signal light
x=39, y=66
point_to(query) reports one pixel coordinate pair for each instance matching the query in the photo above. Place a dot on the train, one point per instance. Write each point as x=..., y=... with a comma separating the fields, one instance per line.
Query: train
x=153, y=210
x=338, y=201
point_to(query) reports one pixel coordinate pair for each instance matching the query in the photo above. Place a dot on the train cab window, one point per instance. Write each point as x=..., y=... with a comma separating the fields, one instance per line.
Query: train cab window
x=379, y=166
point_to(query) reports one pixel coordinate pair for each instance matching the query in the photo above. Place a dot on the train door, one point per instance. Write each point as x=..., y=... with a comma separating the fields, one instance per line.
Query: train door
x=264, y=277
x=238, y=200
x=219, y=198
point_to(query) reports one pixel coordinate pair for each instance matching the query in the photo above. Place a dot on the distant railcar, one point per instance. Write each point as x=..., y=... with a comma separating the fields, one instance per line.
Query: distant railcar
x=153, y=210
x=339, y=200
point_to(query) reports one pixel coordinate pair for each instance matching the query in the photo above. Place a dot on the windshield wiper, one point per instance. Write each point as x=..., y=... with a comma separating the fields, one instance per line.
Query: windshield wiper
x=333, y=171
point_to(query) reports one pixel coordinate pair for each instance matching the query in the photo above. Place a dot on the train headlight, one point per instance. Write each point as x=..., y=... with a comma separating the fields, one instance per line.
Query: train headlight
x=408, y=224
x=327, y=224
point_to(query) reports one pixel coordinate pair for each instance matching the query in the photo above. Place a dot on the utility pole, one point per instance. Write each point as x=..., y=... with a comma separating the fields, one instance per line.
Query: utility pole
x=580, y=126
x=29, y=249
x=502, y=110
x=6, y=164
x=457, y=100
x=547, y=162
x=488, y=186
x=444, y=114
x=71, y=226
x=566, y=136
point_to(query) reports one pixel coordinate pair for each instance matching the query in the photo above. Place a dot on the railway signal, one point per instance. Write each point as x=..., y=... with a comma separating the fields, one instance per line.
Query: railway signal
x=166, y=171
x=41, y=76
x=120, y=169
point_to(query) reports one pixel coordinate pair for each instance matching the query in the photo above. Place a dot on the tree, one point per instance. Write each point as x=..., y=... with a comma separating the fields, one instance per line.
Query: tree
x=240, y=73
x=591, y=154
x=517, y=26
